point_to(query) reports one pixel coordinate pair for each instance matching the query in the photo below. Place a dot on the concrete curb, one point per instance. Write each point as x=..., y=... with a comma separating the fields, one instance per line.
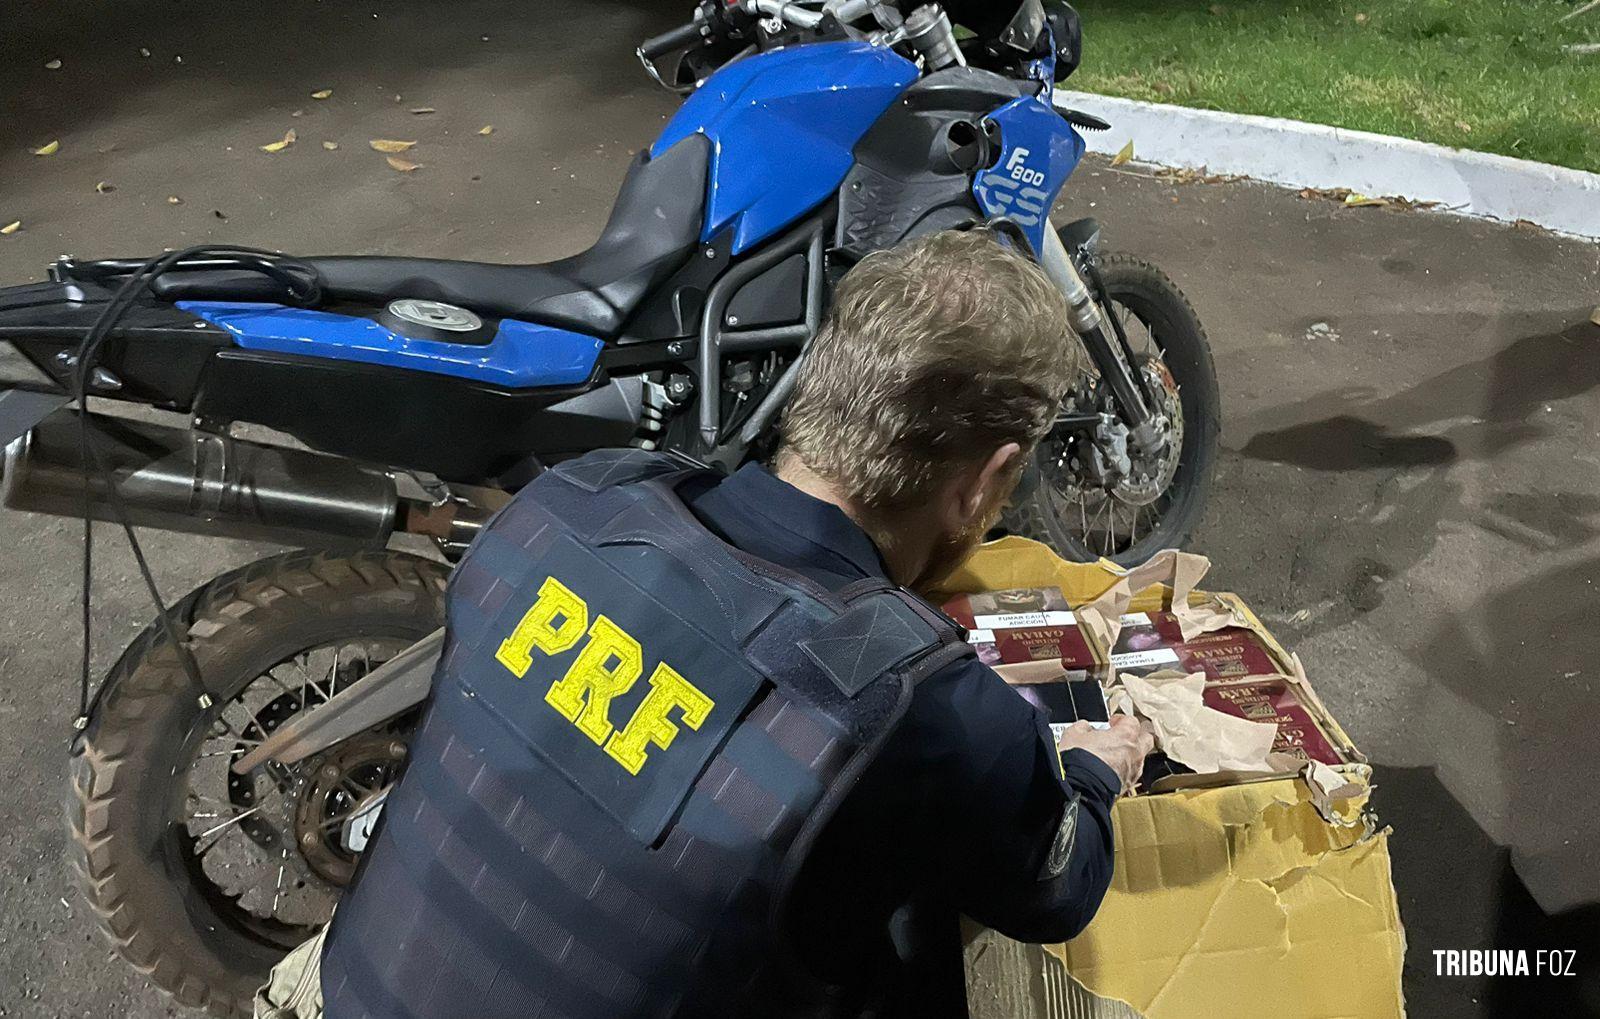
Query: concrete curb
x=1297, y=154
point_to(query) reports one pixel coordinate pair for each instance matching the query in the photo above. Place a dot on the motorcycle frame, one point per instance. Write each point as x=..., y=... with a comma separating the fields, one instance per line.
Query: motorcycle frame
x=480, y=432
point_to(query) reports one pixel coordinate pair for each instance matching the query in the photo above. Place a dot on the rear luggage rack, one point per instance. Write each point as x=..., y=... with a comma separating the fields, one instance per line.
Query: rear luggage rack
x=234, y=276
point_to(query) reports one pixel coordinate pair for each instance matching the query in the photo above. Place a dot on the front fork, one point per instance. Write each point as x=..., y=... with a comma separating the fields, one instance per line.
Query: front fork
x=1147, y=429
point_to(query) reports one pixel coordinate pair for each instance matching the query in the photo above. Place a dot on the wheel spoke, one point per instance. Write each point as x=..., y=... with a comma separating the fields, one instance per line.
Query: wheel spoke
x=235, y=819
x=333, y=675
x=200, y=852
x=229, y=738
x=277, y=891
x=233, y=752
x=298, y=695
x=305, y=672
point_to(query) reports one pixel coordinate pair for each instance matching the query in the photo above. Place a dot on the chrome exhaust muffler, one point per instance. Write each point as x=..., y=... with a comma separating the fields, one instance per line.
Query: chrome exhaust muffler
x=197, y=482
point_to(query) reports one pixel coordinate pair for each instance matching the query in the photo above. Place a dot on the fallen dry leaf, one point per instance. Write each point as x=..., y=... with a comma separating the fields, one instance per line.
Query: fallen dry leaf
x=143, y=52
x=330, y=146
x=174, y=200
x=11, y=227
x=52, y=65
x=287, y=140
x=389, y=145
x=1357, y=200
x=1361, y=18
x=404, y=166
x=486, y=129
x=105, y=187
x=1462, y=125
x=48, y=149
x=1124, y=154
x=424, y=109
x=322, y=93
x=298, y=113
x=1594, y=316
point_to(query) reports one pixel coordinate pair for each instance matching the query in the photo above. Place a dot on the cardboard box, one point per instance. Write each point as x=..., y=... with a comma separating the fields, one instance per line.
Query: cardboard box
x=1241, y=900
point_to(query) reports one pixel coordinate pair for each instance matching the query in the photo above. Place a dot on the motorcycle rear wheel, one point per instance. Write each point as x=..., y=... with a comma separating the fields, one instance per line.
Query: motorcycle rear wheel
x=133, y=843
x=1084, y=523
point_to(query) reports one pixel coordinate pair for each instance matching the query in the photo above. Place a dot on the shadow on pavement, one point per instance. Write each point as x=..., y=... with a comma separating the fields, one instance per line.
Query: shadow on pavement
x=1523, y=654
x=1458, y=890
x=1501, y=397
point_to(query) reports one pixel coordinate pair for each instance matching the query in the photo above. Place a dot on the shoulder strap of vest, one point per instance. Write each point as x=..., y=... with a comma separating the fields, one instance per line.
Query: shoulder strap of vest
x=607, y=468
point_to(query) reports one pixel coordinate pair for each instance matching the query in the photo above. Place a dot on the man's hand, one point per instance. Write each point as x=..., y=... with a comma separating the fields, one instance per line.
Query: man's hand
x=1122, y=747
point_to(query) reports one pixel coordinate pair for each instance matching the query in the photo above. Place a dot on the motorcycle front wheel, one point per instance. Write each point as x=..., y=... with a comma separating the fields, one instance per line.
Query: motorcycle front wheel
x=203, y=879
x=1079, y=510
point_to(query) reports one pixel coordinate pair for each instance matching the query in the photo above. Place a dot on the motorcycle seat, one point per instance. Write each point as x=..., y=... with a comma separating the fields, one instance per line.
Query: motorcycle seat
x=652, y=230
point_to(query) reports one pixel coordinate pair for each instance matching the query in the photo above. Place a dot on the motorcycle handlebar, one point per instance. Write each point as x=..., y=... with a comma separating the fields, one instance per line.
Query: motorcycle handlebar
x=784, y=10
x=677, y=38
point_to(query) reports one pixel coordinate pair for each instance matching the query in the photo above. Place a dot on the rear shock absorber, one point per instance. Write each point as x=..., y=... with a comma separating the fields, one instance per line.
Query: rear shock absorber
x=655, y=404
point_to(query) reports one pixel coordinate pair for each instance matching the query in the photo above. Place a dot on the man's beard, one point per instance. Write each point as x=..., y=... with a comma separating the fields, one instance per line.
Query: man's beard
x=953, y=549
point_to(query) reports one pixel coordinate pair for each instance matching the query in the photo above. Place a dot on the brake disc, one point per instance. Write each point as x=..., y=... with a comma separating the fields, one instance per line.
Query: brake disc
x=1152, y=474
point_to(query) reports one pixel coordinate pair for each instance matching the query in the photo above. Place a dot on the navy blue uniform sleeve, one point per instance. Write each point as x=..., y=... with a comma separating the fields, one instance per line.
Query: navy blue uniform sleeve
x=1027, y=832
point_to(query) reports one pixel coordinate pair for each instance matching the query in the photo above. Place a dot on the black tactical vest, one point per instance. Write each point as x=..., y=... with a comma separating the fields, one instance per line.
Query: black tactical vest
x=635, y=735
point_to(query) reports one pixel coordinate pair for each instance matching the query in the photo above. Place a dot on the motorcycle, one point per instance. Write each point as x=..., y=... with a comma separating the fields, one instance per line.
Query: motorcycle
x=225, y=774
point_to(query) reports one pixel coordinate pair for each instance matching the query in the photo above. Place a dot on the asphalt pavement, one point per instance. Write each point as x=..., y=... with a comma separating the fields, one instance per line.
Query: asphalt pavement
x=1410, y=493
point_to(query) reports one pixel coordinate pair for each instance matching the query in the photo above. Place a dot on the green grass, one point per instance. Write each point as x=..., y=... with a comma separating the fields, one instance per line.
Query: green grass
x=1477, y=74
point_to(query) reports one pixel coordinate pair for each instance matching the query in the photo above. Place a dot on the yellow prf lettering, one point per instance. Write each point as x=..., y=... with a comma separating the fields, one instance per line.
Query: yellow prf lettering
x=536, y=629
x=650, y=724
x=584, y=694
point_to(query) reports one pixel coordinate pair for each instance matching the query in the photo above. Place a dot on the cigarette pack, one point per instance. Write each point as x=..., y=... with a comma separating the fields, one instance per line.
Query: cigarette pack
x=1153, y=641
x=1300, y=732
x=1021, y=627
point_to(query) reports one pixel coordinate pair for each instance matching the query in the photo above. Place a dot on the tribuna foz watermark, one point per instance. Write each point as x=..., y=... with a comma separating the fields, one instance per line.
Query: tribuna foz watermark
x=1504, y=962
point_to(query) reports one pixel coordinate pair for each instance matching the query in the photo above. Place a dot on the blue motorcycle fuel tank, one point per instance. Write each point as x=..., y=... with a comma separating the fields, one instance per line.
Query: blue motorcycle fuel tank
x=782, y=126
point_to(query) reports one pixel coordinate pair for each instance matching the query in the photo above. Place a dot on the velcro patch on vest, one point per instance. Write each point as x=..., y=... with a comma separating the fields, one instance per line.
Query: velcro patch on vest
x=876, y=634
x=609, y=685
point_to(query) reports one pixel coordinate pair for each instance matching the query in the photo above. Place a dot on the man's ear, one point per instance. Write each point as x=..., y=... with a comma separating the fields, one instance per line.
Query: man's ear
x=978, y=492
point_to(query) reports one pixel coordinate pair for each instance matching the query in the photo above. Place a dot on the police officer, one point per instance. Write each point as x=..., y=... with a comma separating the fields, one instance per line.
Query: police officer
x=695, y=750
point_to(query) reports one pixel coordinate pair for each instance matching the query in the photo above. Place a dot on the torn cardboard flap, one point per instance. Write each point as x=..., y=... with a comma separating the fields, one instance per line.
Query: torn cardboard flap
x=1328, y=788
x=1237, y=902
x=1017, y=562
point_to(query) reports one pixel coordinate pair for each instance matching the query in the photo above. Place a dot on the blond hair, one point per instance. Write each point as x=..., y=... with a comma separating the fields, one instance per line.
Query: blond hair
x=934, y=354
